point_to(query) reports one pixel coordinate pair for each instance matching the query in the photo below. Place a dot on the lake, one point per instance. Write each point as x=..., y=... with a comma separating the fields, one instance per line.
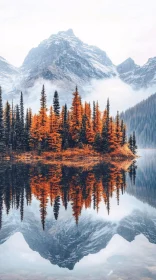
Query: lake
x=73, y=222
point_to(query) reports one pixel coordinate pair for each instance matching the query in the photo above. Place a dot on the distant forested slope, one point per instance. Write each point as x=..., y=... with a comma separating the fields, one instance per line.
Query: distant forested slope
x=142, y=119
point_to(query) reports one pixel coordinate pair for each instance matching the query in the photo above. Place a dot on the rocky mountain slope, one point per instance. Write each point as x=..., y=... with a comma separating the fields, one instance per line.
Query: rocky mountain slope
x=8, y=75
x=138, y=76
x=64, y=60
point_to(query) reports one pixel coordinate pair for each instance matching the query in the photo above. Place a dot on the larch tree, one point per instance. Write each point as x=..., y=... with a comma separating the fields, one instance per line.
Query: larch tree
x=76, y=117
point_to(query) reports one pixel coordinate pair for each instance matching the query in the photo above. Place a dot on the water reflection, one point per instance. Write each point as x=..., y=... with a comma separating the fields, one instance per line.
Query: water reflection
x=79, y=240
x=61, y=185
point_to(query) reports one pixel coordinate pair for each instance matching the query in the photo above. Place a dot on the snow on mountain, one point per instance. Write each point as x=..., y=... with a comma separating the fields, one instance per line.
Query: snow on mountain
x=138, y=76
x=66, y=60
x=64, y=243
x=8, y=76
x=63, y=60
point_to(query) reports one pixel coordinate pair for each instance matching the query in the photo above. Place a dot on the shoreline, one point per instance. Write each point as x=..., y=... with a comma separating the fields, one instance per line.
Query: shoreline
x=70, y=157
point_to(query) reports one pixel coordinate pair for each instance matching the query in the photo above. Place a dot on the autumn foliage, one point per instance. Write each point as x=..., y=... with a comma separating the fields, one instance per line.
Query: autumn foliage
x=62, y=186
x=56, y=129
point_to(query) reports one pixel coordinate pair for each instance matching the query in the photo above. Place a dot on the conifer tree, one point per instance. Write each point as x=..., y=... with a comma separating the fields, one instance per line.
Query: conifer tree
x=12, y=127
x=118, y=130
x=112, y=136
x=27, y=132
x=22, y=134
x=94, y=117
x=83, y=131
x=130, y=143
x=124, y=137
x=76, y=117
x=17, y=130
x=98, y=124
x=2, y=132
x=97, y=142
x=134, y=143
x=43, y=122
x=56, y=104
x=65, y=129
x=22, y=112
x=29, y=117
x=104, y=140
x=7, y=120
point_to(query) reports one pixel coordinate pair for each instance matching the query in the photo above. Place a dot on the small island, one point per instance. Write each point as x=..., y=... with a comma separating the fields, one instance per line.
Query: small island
x=80, y=133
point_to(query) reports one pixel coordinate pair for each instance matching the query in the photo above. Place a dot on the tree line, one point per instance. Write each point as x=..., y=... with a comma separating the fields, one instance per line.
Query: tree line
x=142, y=119
x=57, y=128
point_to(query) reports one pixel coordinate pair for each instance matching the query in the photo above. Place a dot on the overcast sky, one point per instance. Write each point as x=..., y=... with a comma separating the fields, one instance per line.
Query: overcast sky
x=123, y=28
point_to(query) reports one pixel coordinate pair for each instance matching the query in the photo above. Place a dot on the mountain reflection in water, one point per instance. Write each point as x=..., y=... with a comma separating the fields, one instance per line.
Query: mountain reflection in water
x=69, y=222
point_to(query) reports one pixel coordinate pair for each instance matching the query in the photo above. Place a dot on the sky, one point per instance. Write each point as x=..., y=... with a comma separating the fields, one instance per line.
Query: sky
x=122, y=28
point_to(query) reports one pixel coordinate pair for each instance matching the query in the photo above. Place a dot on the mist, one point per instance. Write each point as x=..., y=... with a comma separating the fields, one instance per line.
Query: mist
x=121, y=95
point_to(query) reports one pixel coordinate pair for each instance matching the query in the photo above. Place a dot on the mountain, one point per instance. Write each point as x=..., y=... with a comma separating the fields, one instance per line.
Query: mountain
x=142, y=119
x=138, y=76
x=64, y=243
x=66, y=61
x=8, y=75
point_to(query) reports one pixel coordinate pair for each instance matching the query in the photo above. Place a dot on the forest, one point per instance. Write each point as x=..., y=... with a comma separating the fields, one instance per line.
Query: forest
x=56, y=129
x=141, y=118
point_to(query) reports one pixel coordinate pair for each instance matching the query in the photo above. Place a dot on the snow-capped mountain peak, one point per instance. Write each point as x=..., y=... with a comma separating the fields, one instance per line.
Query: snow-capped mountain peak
x=126, y=66
x=66, y=60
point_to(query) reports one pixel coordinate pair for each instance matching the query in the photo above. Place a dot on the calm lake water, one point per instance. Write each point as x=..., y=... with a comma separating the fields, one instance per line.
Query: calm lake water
x=59, y=222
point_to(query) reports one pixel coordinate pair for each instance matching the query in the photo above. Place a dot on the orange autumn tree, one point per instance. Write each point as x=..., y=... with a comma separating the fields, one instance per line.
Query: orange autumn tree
x=76, y=117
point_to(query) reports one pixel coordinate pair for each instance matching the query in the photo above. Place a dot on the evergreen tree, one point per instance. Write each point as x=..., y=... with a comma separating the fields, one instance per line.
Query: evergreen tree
x=43, y=107
x=17, y=130
x=134, y=143
x=7, y=120
x=2, y=132
x=43, y=122
x=97, y=142
x=94, y=117
x=12, y=128
x=27, y=132
x=56, y=207
x=22, y=112
x=56, y=104
x=22, y=134
x=130, y=143
x=124, y=137
x=83, y=131
x=76, y=117
x=65, y=129
x=118, y=130
x=105, y=139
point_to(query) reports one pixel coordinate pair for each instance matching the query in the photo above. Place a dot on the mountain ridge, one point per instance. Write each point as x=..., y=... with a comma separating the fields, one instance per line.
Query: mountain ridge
x=64, y=60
